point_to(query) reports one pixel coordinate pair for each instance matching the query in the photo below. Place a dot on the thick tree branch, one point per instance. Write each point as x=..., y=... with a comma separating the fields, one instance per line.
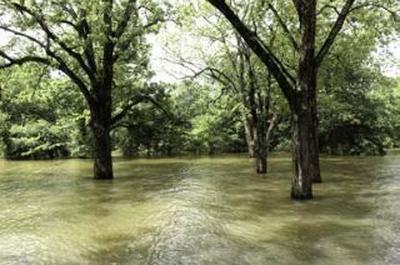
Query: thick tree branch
x=153, y=23
x=84, y=32
x=75, y=78
x=126, y=109
x=65, y=6
x=257, y=46
x=61, y=64
x=24, y=35
x=122, y=46
x=394, y=14
x=37, y=59
x=279, y=63
x=136, y=101
x=107, y=17
x=20, y=61
x=334, y=32
x=328, y=6
x=69, y=23
x=43, y=25
x=125, y=20
x=46, y=47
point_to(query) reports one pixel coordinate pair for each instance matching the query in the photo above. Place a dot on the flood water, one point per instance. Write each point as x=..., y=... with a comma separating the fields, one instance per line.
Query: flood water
x=199, y=211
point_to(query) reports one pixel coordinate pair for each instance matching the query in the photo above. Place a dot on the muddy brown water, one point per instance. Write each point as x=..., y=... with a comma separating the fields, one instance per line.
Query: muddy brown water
x=209, y=210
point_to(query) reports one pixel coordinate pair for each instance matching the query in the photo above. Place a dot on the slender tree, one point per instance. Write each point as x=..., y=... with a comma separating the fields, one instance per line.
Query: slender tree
x=88, y=41
x=236, y=69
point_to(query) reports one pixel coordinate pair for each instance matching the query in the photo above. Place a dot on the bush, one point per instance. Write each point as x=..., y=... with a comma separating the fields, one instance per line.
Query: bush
x=36, y=140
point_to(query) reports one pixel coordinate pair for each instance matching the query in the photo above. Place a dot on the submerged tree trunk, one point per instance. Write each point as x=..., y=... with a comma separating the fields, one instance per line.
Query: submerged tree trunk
x=262, y=137
x=101, y=111
x=302, y=155
x=259, y=132
x=256, y=137
x=101, y=122
x=102, y=168
x=301, y=91
x=261, y=148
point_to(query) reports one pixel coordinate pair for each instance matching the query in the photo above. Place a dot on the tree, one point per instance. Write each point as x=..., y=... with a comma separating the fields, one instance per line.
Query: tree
x=153, y=129
x=42, y=115
x=358, y=113
x=300, y=91
x=89, y=42
x=220, y=57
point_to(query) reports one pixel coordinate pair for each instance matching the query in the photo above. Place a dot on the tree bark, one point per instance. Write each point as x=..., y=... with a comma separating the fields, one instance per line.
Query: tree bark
x=255, y=130
x=302, y=155
x=101, y=126
x=261, y=148
x=316, y=170
x=305, y=155
x=262, y=144
x=103, y=168
x=249, y=134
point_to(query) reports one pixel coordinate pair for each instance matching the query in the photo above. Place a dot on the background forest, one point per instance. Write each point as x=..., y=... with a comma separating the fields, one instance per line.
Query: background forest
x=206, y=109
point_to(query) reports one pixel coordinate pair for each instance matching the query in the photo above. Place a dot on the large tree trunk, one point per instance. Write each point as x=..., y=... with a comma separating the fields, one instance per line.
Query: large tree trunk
x=101, y=112
x=302, y=154
x=101, y=127
x=305, y=155
x=102, y=168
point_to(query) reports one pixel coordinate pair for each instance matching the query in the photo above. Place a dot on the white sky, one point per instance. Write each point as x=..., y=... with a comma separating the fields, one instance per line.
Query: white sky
x=391, y=56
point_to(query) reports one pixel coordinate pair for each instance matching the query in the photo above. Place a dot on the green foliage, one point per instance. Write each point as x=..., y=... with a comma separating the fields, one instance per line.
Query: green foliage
x=38, y=140
x=43, y=115
x=218, y=130
x=37, y=115
x=214, y=119
x=357, y=111
x=191, y=121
